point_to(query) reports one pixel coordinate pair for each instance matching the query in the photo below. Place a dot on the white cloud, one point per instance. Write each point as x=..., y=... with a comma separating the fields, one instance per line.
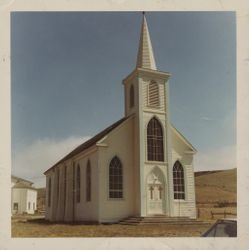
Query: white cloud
x=31, y=162
x=223, y=158
x=205, y=118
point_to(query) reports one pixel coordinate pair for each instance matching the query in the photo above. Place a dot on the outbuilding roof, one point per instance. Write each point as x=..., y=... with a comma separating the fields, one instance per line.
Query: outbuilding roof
x=23, y=185
x=21, y=179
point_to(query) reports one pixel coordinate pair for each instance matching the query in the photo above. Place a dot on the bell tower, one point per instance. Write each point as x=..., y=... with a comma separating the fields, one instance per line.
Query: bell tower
x=147, y=98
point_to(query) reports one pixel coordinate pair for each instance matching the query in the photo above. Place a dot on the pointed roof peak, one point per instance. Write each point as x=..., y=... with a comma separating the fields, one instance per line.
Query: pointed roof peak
x=145, y=57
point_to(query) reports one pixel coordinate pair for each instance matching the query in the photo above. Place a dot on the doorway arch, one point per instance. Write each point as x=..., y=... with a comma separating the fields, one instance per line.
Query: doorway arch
x=155, y=190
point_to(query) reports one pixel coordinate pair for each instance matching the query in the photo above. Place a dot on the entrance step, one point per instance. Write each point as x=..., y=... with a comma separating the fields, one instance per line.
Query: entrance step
x=160, y=219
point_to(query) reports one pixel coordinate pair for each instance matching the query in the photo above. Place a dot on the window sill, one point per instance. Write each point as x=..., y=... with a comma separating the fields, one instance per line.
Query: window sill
x=115, y=199
x=181, y=201
x=159, y=110
x=156, y=162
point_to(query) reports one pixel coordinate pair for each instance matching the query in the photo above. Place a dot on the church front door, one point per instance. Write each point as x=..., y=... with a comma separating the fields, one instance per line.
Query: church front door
x=155, y=192
x=154, y=199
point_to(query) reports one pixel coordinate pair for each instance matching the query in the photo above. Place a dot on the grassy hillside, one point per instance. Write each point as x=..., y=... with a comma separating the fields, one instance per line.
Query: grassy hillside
x=216, y=186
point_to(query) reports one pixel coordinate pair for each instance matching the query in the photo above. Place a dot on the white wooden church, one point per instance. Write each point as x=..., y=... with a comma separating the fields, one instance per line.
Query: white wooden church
x=139, y=166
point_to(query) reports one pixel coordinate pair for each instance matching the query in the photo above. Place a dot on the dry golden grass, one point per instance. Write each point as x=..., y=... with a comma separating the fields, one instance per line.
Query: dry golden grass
x=205, y=213
x=211, y=190
x=216, y=187
x=40, y=228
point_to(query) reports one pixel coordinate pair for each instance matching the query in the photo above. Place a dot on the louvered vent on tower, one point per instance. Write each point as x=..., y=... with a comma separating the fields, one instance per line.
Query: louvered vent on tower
x=153, y=95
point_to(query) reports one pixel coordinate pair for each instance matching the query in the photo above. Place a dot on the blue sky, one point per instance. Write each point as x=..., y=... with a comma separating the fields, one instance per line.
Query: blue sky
x=67, y=70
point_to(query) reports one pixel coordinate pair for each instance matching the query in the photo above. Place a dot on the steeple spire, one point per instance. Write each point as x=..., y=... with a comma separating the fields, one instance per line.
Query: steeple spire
x=145, y=57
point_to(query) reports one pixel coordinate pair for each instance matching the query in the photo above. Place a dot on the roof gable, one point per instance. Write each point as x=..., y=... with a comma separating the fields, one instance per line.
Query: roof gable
x=183, y=139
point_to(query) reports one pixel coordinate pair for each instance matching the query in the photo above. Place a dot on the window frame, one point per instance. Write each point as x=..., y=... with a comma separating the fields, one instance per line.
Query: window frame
x=155, y=142
x=58, y=183
x=88, y=181
x=65, y=188
x=131, y=96
x=78, y=184
x=116, y=186
x=49, y=191
x=179, y=181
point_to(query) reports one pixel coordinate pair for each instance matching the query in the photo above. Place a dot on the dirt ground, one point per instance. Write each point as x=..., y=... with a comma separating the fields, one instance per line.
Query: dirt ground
x=41, y=228
x=36, y=226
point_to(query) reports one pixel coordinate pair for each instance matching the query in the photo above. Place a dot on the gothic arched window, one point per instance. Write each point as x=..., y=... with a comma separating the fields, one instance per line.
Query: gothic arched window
x=155, y=150
x=131, y=96
x=78, y=184
x=58, y=183
x=49, y=191
x=153, y=95
x=65, y=187
x=178, y=180
x=115, y=178
x=88, y=181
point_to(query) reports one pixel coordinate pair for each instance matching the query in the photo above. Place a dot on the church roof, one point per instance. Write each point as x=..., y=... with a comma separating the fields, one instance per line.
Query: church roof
x=90, y=142
x=145, y=57
x=103, y=133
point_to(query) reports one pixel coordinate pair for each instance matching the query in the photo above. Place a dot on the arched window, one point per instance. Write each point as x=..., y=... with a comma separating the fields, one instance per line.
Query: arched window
x=78, y=184
x=58, y=183
x=178, y=180
x=88, y=181
x=65, y=188
x=153, y=99
x=155, y=150
x=115, y=178
x=131, y=96
x=49, y=191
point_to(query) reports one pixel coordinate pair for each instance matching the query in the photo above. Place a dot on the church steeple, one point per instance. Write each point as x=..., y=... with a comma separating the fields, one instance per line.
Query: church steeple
x=145, y=57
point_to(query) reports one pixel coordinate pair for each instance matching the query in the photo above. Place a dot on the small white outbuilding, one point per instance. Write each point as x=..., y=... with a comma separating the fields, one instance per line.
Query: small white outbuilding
x=139, y=166
x=23, y=196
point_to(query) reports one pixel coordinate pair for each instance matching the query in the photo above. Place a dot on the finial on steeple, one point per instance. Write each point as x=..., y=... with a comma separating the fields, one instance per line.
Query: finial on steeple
x=145, y=57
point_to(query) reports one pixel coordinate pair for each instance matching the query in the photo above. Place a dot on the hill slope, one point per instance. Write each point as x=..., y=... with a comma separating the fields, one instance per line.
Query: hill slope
x=216, y=186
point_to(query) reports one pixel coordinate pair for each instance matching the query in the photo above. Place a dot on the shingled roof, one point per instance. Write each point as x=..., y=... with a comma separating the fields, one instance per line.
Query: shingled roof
x=21, y=179
x=90, y=142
